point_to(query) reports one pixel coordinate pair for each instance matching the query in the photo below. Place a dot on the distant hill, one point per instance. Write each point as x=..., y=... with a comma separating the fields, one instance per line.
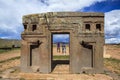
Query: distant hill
x=61, y=42
x=9, y=43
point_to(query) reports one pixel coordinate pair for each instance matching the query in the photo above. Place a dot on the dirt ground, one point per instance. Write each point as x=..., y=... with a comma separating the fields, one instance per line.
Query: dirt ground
x=10, y=63
x=61, y=72
x=10, y=54
x=112, y=51
x=37, y=76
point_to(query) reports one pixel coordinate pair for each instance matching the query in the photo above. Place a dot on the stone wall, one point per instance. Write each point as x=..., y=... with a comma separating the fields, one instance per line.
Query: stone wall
x=86, y=32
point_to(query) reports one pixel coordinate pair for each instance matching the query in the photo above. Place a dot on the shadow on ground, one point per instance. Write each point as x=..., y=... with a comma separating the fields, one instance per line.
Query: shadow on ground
x=59, y=62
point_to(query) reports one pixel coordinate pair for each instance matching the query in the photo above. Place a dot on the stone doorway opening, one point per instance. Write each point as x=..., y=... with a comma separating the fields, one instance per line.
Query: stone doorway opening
x=60, y=55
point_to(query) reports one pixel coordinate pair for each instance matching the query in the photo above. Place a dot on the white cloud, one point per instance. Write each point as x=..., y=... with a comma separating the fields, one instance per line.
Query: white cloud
x=61, y=36
x=112, y=20
x=11, y=11
x=113, y=40
x=112, y=26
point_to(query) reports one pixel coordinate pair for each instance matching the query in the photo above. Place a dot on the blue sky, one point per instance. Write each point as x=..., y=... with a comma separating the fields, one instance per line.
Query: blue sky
x=11, y=12
x=61, y=38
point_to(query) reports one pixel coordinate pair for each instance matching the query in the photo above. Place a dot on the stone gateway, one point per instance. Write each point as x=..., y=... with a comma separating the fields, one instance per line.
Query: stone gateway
x=86, y=31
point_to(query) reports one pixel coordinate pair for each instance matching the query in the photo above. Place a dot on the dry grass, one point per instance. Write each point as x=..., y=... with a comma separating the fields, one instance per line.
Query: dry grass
x=112, y=64
x=59, y=73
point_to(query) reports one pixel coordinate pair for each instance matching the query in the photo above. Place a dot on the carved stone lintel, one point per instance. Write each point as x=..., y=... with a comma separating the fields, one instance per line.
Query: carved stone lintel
x=86, y=44
x=36, y=42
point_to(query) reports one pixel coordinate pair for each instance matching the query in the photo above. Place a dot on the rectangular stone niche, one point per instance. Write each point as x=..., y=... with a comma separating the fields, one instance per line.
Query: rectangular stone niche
x=34, y=55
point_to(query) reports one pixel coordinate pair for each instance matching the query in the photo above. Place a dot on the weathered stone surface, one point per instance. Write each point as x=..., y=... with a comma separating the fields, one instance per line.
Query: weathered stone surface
x=86, y=32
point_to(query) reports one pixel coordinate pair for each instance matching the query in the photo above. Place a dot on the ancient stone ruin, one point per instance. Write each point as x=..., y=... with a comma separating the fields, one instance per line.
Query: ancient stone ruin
x=86, y=32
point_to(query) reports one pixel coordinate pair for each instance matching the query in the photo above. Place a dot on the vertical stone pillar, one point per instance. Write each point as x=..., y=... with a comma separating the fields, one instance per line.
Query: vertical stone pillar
x=25, y=56
x=99, y=55
x=44, y=57
x=74, y=54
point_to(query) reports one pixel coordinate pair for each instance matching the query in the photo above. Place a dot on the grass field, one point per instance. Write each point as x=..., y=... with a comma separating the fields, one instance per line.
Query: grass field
x=112, y=64
x=3, y=51
x=7, y=50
